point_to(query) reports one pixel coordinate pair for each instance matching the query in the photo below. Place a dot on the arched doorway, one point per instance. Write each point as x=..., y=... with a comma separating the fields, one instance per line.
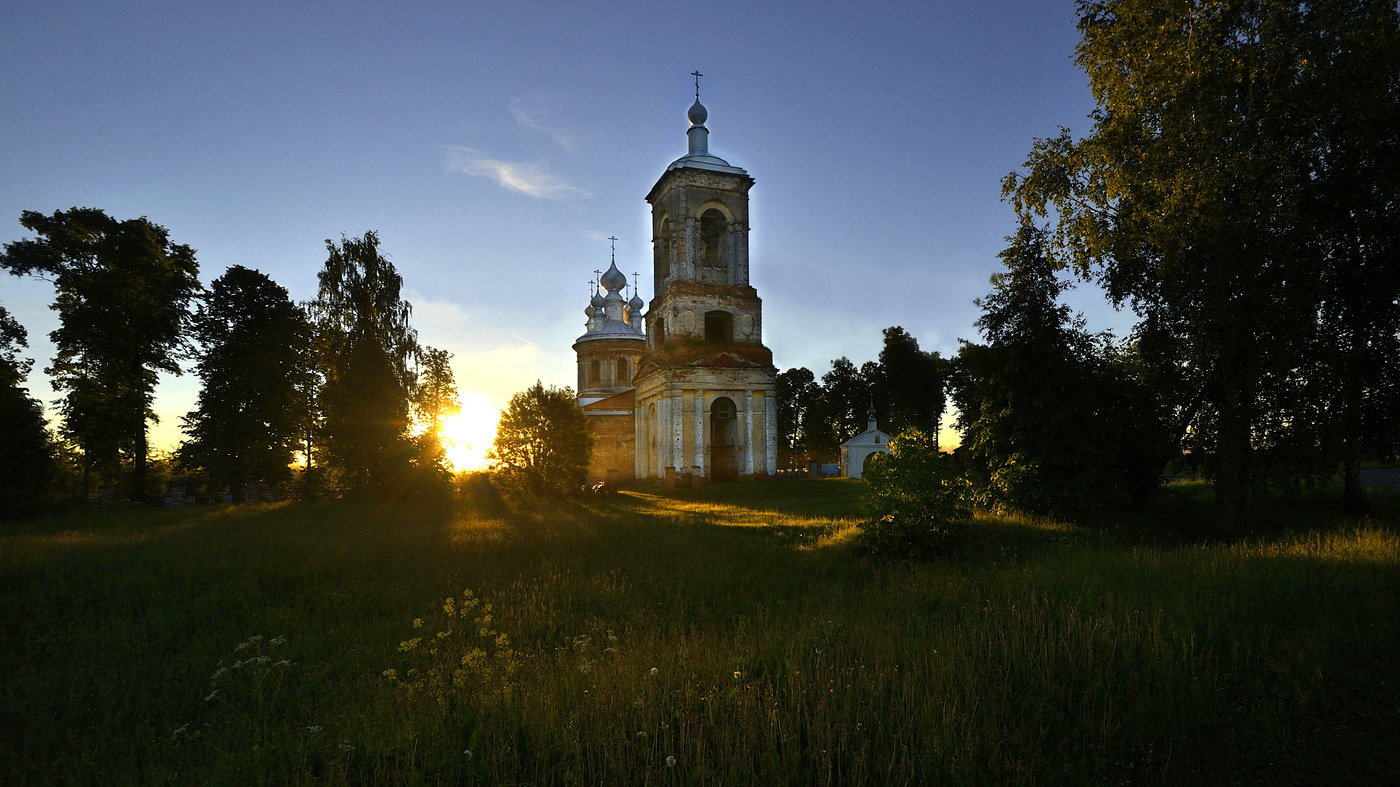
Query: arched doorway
x=724, y=432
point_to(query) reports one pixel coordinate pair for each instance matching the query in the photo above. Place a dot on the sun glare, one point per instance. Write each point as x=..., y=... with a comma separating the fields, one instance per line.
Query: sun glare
x=467, y=435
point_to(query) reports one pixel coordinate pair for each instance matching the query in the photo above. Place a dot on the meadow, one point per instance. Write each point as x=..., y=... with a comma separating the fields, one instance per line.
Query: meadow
x=729, y=635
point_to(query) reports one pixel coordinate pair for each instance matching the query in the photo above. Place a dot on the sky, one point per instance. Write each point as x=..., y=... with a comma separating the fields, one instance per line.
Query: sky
x=495, y=148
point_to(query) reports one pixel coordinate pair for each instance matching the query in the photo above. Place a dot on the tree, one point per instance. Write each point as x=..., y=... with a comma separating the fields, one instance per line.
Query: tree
x=1052, y=416
x=27, y=462
x=542, y=446
x=1190, y=198
x=123, y=297
x=367, y=349
x=915, y=499
x=434, y=401
x=798, y=394
x=245, y=424
x=908, y=385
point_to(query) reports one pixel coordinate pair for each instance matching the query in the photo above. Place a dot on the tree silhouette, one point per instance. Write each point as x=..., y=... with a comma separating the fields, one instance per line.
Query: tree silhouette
x=245, y=424
x=123, y=299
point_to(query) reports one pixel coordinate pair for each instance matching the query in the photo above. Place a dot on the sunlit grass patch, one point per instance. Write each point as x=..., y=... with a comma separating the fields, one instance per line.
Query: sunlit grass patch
x=1039, y=651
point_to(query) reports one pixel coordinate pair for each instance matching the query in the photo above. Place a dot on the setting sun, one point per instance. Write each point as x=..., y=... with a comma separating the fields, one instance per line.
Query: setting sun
x=467, y=435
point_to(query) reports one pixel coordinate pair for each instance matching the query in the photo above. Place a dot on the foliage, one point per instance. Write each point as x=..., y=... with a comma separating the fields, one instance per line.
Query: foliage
x=123, y=297
x=542, y=446
x=252, y=341
x=1230, y=189
x=457, y=661
x=906, y=385
x=434, y=401
x=367, y=350
x=798, y=395
x=1054, y=419
x=916, y=499
x=27, y=461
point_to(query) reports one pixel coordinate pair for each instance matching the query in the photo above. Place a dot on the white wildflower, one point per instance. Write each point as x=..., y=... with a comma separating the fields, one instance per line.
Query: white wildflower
x=467, y=755
x=278, y=641
x=670, y=762
x=314, y=729
x=346, y=748
x=284, y=663
x=654, y=671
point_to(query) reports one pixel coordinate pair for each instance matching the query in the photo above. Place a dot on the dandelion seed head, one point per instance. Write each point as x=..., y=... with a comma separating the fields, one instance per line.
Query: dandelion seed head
x=654, y=671
x=670, y=761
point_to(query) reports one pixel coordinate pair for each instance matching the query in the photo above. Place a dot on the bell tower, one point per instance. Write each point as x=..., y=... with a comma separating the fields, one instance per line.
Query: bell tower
x=705, y=386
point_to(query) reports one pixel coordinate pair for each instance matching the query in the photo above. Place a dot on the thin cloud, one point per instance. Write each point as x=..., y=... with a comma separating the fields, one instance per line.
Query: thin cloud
x=561, y=136
x=524, y=177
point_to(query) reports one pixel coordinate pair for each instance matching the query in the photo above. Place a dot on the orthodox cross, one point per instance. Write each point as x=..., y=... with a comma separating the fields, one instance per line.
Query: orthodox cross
x=596, y=274
x=697, y=76
x=614, y=248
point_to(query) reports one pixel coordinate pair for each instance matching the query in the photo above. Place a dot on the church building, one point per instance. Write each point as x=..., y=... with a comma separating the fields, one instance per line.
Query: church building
x=697, y=385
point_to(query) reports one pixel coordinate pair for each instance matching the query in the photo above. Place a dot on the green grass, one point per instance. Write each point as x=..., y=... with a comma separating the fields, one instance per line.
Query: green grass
x=1039, y=653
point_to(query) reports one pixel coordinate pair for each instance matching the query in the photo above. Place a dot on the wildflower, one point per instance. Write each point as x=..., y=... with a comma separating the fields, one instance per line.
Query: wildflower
x=611, y=636
x=179, y=731
x=670, y=762
x=218, y=673
x=418, y=623
x=284, y=663
x=637, y=703
x=346, y=748
x=654, y=671
x=314, y=729
x=585, y=667
x=212, y=695
x=278, y=641
x=736, y=674
x=241, y=646
x=642, y=735
x=467, y=755
x=255, y=639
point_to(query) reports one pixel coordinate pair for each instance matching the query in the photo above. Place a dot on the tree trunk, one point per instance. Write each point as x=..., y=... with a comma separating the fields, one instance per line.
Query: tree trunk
x=138, y=465
x=1232, y=465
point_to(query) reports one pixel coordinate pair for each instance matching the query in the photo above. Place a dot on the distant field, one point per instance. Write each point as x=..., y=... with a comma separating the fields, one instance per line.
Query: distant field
x=1039, y=653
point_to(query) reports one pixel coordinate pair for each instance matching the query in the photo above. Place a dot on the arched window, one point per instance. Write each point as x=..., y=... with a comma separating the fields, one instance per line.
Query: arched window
x=623, y=378
x=712, y=227
x=719, y=327
x=595, y=373
x=660, y=324
x=663, y=251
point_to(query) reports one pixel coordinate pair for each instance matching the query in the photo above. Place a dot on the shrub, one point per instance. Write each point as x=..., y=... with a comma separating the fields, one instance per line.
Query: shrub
x=916, y=499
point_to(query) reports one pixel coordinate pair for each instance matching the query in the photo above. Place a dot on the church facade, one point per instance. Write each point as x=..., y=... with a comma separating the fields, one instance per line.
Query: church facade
x=700, y=396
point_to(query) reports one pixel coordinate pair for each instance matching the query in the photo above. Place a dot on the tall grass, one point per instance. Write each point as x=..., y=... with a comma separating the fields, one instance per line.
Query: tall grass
x=731, y=630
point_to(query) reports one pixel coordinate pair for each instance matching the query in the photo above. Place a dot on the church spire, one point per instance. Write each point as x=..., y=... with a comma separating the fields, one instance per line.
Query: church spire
x=697, y=134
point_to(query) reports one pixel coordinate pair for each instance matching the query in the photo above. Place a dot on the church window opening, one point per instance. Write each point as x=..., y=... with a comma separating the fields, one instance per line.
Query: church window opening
x=660, y=330
x=719, y=327
x=712, y=226
x=595, y=373
x=663, y=251
x=623, y=378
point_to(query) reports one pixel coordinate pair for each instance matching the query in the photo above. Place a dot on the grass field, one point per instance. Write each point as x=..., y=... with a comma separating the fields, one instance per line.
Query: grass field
x=732, y=629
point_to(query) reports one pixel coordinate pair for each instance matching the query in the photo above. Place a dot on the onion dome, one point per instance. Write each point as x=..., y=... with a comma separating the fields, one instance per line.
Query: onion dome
x=613, y=280
x=597, y=301
x=636, y=304
x=698, y=114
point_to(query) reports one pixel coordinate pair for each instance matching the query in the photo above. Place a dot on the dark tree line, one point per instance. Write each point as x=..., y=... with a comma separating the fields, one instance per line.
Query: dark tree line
x=334, y=385
x=905, y=385
x=1238, y=191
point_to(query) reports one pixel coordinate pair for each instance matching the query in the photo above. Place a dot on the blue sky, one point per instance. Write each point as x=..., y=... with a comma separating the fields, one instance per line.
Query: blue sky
x=496, y=147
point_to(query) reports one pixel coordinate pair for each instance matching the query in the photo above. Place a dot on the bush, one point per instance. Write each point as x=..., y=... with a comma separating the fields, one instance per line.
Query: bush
x=916, y=500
